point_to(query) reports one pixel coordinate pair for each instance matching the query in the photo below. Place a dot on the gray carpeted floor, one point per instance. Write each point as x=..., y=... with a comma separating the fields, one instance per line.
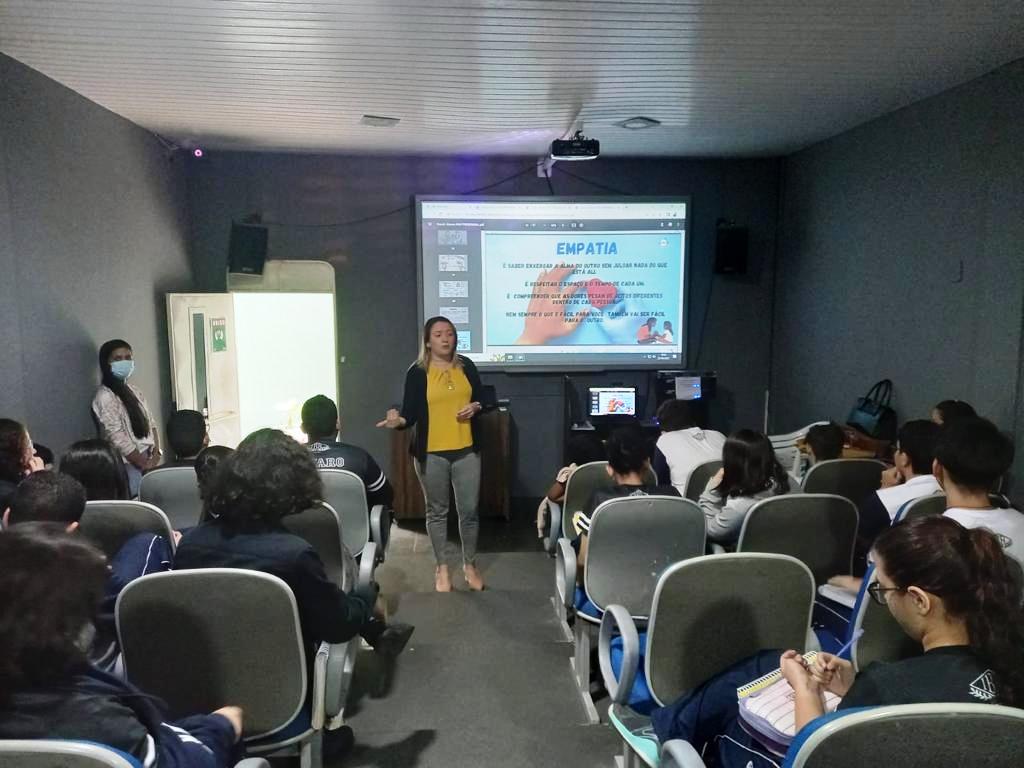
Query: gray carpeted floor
x=485, y=680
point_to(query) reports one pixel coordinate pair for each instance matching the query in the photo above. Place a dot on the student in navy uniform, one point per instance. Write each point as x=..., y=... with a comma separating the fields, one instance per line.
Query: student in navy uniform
x=51, y=586
x=628, y=466
x=321, y=424
x=54, y=497
x=187, y=437
x=951, y=588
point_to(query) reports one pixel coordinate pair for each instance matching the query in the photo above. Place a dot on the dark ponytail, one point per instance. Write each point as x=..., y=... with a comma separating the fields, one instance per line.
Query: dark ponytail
x=976, y=581
x=140, y=424
x=749, y=466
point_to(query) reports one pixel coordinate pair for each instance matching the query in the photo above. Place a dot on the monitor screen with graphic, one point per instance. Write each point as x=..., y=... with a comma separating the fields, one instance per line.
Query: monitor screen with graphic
x=612, y=401
x=557, y=283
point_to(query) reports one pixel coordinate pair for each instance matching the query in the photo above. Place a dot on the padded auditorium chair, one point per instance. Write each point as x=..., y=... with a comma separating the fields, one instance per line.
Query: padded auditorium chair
x=59, y=753
x=708, y=613
x=173, y=490
x=852, y=479
x=699, y=477
x=907, y=735
x=366, y=532
x=198, y=639
x=632, y=540
x=817, y=529
x=109, y=524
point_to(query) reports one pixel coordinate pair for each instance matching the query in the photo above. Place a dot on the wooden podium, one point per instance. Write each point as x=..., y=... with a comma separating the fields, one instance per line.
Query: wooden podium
x=495, y=469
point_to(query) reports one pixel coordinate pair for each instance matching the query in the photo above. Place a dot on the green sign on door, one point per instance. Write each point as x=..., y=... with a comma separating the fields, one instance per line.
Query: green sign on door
x=219, y=334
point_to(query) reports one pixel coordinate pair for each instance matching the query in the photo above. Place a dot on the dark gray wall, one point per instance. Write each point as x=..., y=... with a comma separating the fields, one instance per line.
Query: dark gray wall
x=92, y=233
x=376, y=268
x=901, y=257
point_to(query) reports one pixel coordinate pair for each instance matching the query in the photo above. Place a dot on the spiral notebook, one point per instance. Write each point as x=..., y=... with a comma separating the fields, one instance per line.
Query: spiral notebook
x=767, y=711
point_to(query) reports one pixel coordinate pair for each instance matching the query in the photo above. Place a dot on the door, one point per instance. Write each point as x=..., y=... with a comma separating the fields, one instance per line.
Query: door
x=204, y=364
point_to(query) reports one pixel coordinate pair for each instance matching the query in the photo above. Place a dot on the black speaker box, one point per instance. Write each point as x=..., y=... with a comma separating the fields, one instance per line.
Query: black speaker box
x=731, y=246
x=247, y=249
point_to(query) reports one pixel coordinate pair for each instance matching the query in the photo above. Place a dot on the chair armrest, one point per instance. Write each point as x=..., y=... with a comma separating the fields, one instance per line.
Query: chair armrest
x=616, y=617
x=319, y=686
x=676, y=753
x=717, y=549
x=565, y=573
x=380, y=528
x=367, y=564
x=335, y=683
x=252, y=762
x=555, y=532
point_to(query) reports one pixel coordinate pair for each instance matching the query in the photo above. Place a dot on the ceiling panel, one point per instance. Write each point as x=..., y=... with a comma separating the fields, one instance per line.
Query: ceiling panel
x=725, y=77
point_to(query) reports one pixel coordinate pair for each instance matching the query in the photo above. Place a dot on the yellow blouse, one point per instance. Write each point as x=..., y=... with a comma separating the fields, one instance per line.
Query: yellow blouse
x=448, y=392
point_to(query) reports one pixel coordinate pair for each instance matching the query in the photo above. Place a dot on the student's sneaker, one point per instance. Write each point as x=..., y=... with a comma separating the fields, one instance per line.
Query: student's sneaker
x=393, y=639
x=338, y=743
x=473, y=578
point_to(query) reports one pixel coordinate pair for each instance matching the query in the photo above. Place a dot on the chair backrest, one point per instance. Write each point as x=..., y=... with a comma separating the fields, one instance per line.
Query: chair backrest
x=173, y=490
x=912, y=736
x=883, y=638
x=632, y=541
x=699, y=477
x=58, y=753
x=581, y=484
x=711, y=611
x=852, y=479
x=345, y=492
x=819, y=530
x=320, y=525
x=200, y=639
x=109, y=524
x=935, y=504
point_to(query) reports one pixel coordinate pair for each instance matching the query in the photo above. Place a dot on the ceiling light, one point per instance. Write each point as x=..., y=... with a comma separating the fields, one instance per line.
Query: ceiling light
x=380, y=122
x=637, y=123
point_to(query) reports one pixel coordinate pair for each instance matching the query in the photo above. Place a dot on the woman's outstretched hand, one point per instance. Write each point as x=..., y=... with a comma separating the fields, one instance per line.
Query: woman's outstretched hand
x=393, y=420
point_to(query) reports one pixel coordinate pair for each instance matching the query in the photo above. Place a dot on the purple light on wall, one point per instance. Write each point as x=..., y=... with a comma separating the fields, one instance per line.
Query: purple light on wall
x=197, y=152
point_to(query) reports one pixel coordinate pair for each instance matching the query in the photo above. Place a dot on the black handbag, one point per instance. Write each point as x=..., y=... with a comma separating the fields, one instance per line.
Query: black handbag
x=872, y=414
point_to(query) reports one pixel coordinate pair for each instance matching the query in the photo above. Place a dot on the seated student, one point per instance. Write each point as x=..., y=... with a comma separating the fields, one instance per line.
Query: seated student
x=321, y=424
x=54, y=497
x=99, y=468
x=17, y=458
x=206, y=464
x=52, y=585
x=628, y=466
x=970, y=457
x=750, y=472
x=824, y=442
x=950, y=588
x=582, y=448
x=268, y=477
x=187, y=436
x=949, y=411
x=682, y=445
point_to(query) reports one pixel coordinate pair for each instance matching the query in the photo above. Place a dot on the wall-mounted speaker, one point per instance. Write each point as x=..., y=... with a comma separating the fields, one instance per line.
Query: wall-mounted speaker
x=731, y=244
x=247, y=249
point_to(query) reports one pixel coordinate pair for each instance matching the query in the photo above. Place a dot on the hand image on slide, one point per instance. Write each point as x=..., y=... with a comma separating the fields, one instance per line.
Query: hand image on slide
x=546, y=317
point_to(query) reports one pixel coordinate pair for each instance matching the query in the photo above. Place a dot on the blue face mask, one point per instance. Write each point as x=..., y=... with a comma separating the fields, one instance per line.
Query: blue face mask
x=122, y=369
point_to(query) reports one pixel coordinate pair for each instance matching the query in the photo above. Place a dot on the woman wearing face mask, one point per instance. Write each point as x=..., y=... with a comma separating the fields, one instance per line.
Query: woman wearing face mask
x=442, y=396
x=122, y=415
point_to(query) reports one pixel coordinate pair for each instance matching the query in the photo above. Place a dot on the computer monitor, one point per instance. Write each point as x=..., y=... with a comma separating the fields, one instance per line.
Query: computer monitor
x=613, y=401
x=688, y=388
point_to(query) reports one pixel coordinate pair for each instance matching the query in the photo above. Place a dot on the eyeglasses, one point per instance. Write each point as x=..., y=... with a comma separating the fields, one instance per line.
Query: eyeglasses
x=877, y=592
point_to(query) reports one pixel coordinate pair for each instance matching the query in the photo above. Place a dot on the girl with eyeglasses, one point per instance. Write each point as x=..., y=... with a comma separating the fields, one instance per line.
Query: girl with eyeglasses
x=953, y=590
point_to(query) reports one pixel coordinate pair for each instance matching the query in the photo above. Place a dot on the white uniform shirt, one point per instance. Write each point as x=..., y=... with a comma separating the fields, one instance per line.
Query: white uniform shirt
x=1007, y=524
x=685, y=449
x=916, y=487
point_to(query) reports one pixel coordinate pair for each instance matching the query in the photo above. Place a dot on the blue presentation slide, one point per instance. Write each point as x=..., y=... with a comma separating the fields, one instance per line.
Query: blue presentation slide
x=627, y=285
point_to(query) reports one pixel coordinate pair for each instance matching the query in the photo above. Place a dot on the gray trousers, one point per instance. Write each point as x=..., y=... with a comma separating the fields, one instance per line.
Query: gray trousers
x=461, y=471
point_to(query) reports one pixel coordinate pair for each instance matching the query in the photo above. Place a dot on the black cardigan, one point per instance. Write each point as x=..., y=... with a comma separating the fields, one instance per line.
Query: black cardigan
x=415, y=411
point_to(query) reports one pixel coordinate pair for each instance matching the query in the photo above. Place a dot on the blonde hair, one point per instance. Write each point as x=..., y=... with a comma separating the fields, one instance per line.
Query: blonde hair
x=423, y=361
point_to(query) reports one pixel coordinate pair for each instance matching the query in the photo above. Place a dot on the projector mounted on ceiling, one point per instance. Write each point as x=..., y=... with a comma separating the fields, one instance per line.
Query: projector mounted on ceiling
x=579, y=147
